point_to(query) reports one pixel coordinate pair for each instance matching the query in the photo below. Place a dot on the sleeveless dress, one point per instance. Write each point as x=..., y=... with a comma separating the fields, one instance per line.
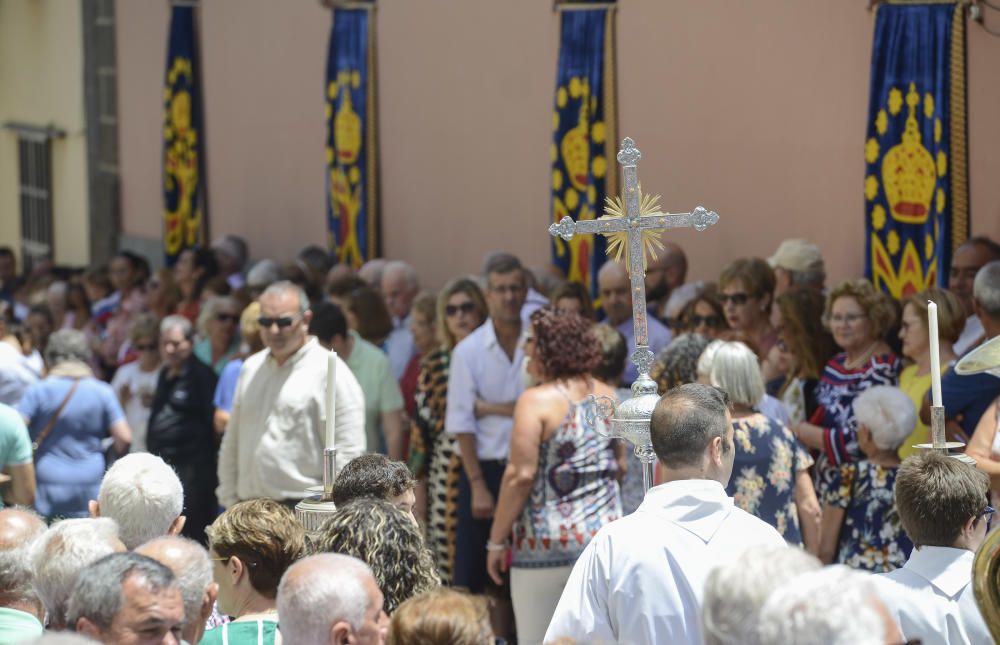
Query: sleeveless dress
x=575, y=493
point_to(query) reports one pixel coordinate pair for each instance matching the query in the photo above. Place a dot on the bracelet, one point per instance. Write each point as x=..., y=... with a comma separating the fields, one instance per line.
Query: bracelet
x=493, y=546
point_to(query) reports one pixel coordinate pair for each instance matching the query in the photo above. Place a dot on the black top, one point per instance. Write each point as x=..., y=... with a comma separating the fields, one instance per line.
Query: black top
x=180, y=419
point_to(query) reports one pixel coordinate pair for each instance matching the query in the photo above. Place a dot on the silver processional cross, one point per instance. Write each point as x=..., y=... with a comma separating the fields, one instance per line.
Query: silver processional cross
x=630, y=418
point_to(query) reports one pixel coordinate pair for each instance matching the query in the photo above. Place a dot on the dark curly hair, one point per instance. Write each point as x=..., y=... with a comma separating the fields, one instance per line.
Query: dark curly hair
x=372, y=475
x=379, y=534
x=565, y=343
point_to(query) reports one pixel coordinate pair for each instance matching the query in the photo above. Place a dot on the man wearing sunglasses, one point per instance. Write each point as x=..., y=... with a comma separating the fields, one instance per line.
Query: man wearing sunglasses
x=273, y=444
x=944, y=507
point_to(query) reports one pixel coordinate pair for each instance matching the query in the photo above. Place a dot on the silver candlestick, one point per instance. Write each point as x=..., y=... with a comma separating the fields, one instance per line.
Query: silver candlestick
x=315, y=510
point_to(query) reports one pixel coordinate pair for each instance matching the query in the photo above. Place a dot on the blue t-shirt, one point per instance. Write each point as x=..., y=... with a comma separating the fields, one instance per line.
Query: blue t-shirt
x=226, y=387
x=70, y=461
x=968, y=396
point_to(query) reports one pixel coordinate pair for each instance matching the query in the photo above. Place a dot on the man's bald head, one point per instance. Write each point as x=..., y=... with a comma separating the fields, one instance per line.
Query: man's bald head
x=189, y=562
x=19, y=526
x=614, y=289
x=666, y=271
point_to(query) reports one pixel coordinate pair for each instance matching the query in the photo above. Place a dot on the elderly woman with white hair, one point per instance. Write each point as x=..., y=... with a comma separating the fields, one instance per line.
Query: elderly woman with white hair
x=69, y=414
x=861, y=527
x=771, y=469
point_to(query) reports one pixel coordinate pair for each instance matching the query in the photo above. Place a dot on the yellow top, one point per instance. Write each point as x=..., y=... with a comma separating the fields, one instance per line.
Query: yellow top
x=916, y=387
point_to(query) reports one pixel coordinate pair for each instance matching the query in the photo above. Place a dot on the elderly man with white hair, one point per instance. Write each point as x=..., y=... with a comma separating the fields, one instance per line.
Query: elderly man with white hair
x=329, y=599
x=735, y=592
x=192, y=567
x=59, y=555
x=399, y=286
x=832, y=606
x=144, y=496
x=860, y=525
x=21, y=611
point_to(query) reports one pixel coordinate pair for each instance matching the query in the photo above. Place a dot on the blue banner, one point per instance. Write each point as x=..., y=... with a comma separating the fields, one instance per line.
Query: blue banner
x=916, y=187
x=184, y=220
x=583, y=139
x=351, y=174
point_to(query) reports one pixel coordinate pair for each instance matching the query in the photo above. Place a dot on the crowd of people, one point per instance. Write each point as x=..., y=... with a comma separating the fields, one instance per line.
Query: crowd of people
x=157, y=427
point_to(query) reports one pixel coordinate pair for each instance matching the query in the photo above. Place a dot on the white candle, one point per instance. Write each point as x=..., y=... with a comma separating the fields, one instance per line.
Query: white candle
x=932, y=328
x=331, y=399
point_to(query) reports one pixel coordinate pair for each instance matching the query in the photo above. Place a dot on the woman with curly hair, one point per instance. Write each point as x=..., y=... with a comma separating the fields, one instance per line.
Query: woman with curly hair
x=859, y=317
x=561, y=482
x=387, y=540
x=461, y=308
x=251, y=545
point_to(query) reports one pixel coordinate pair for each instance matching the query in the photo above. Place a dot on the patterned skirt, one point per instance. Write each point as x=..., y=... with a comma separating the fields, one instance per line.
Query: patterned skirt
x=442, y=503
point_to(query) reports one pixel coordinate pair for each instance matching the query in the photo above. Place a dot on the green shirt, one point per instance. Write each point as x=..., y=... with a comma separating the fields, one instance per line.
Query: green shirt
x=15, y=445
x=250, y=632
x=17, y=626
x=371, y=367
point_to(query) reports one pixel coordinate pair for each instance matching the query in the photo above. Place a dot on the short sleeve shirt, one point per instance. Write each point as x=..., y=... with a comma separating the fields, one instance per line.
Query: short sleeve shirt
x=370, y=366
x=15, y=446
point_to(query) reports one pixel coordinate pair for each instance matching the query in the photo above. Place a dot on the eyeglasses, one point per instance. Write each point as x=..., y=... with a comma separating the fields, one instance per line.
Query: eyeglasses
x=736, y=298
x=465, y=308
x=282, y=323
x=849, y=319
x=711, y=320
x=145, y=348
x=224, y=317
x=989, y=516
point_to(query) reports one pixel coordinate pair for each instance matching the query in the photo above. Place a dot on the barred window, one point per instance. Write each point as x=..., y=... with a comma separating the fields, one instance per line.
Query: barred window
x=35, y=191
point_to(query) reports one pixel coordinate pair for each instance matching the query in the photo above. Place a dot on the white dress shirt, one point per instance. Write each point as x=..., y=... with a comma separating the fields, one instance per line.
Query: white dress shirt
x=273, y=445
x=399, y=346
x=641, y=579
x=940, y=606
x=972, y=335
x=481, y=369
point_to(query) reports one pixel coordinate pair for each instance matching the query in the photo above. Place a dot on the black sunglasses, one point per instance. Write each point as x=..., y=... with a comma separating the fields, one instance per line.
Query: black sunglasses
x=282, y=323
x=709, y=321
x=145, y=348
x=735, y=298
x=465, y=308
x=224, y=317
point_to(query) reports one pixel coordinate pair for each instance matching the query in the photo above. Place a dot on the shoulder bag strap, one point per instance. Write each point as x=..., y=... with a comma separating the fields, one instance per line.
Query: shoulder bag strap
x=47, y=430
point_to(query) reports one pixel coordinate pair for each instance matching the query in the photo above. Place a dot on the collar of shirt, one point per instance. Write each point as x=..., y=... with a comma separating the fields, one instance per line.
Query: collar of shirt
x=296, y=357
x=403, y=323
x=490, y=337
x=696, y=505
x=948, y=569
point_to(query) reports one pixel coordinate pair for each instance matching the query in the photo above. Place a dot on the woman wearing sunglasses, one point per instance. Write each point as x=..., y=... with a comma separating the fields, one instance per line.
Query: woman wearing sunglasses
x=704, y=316
x=461, y=308
x=745, y=290
x=135, y=382
x=218, y=325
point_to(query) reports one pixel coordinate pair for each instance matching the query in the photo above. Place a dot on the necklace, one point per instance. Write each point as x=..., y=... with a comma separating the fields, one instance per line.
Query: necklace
x=862, y=358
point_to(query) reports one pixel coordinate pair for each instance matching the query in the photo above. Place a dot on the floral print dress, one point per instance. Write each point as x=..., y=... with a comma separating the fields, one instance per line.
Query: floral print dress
x=768, y=457
x=871, y=537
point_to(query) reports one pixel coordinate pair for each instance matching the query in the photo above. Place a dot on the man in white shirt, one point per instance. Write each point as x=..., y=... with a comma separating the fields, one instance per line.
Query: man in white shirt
x=399, y=286
x=273, y=445
x=483, y=384
x=616, y=299
x=943, y=506
x=641, y=579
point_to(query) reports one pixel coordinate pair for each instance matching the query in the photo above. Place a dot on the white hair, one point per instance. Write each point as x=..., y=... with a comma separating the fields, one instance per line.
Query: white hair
x=177, y=321
x=317, y=592
x=282, y=287
x=986, y=288
x=189, y=563
x=734, y=593
x=832, y=606
x=408, y=272
x=888, y=412
x=143, y=495
x=736, y=370
x=707, y=357
x=60, y=553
